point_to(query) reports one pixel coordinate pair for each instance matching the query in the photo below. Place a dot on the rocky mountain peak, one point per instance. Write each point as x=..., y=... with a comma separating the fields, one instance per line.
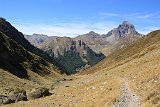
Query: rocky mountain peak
x=124, y=30
x=126, y=23
x=90, y=35
x=91, y=32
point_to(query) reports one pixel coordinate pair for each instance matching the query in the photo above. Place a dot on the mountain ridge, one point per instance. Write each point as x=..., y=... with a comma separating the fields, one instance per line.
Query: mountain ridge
x=98, y=43
x=121, y=36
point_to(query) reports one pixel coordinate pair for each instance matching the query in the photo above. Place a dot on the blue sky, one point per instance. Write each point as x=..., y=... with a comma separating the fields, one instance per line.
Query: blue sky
x=74, y=17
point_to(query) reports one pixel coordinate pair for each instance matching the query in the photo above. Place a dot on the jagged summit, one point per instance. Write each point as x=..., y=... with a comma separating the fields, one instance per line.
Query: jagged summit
x=97, y=42
x=123, y=30
x=91, y=32
x=126, y=23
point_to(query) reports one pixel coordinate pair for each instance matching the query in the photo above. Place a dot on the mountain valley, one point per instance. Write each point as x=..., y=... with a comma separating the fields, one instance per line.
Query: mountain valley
x=117, y=69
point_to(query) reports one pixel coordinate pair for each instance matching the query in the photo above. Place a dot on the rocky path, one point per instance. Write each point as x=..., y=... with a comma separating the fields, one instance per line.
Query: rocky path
x=127, y=97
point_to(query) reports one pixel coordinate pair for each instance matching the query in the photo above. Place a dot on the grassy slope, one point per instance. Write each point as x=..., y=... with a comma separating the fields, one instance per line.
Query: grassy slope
x=23, y=66
x=121, y=43
x=16, y=62
x=99, y=86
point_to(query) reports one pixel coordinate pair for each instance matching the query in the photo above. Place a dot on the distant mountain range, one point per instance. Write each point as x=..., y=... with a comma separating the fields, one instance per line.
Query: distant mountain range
x=87, y=49
x=123, y=35
x=115, y=39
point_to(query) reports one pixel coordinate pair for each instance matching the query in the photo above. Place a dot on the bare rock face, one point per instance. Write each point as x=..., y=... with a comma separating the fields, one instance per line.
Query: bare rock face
x=18, y=96
x=38, y=93
x=122, y=31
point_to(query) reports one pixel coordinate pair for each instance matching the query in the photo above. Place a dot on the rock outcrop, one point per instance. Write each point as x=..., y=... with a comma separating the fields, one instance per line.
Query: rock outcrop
x=38, y=93
x=18, y=96
x=5, y=100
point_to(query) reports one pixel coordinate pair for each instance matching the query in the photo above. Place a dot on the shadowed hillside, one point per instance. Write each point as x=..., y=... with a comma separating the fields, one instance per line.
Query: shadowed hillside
x=20, y=65
x=18, y=55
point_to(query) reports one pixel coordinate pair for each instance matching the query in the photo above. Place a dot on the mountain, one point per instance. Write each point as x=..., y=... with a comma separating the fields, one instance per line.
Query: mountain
x=128, y=77
x=124, y=30
x=71, y=54
x=38, y=39
x=21, y=60
x=61, y=49
x=122, y=36
x=94, y=40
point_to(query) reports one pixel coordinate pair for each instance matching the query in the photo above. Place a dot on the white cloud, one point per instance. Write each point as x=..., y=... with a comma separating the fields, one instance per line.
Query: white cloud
x=100, y=26
x=108, y=14
x=65, y=29
x=142, y=16
x=145, y=16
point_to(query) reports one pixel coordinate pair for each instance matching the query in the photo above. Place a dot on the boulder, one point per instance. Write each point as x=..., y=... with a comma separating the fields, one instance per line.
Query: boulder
x=18, y=96
x=4, y=100
x=38, y=93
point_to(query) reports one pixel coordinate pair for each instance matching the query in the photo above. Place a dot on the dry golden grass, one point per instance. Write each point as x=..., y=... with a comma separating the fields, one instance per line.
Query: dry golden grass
x=9, y=82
